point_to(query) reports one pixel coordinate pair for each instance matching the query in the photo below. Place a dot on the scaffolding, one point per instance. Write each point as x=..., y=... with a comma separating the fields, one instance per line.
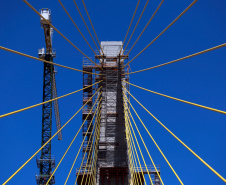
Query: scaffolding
x=87, y=114
x=112, y=150
x=139, y=171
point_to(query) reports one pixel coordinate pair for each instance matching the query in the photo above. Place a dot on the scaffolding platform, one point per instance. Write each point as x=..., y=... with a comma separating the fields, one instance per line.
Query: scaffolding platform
x=40, y=161
x=45, y=178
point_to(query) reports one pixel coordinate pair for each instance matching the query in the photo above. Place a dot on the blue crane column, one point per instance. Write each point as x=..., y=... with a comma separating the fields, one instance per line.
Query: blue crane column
x=46, y=162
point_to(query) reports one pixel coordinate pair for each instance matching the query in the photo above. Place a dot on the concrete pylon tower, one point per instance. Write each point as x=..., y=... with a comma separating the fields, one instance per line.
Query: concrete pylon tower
x=112, y=160
x=109, y=164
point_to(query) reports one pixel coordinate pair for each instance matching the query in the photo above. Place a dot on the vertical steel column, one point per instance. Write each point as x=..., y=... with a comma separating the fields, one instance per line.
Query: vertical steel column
x=46, y=164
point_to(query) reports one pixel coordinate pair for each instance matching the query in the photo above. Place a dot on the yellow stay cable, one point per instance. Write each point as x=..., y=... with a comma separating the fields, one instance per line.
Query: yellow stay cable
x=160, y=4
x=133, y=148
x=145, y=6
x=76, y=26
x=45, y=61
x=92, y=25
x=222, y=178
x=88, y=158
x=140, y=148
x=190, y=103
x=136, y=170
x=131, y=165
x=89, y=143
x=183, y=58
x=79, y=149
x=96, y=150
x=133, y=170
x=61, y=34
x=141, y=169
x=132, y=152
x=158, y=147
x=26, y=108
x=128, y=147
x=48, y=141
x=96, y=122
x=138, y=2
x=86, y=25
x=135, y=173
x=162, y=31
x=71, y=143
x=128, y=139
x=138, y=176
x=91, y=168
x=142, y=138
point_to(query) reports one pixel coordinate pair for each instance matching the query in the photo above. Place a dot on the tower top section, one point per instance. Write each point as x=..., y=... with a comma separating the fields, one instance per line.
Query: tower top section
x=46, y=13
x=111, y=48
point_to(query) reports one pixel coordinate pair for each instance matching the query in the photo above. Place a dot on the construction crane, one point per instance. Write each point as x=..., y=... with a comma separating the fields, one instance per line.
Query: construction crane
x=46, y=161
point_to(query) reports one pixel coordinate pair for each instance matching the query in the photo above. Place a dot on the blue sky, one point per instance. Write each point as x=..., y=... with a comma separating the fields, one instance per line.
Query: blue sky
x=200, y=79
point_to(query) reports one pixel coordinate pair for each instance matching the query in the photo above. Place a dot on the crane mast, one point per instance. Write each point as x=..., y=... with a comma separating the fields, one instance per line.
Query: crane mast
x=46, y=162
